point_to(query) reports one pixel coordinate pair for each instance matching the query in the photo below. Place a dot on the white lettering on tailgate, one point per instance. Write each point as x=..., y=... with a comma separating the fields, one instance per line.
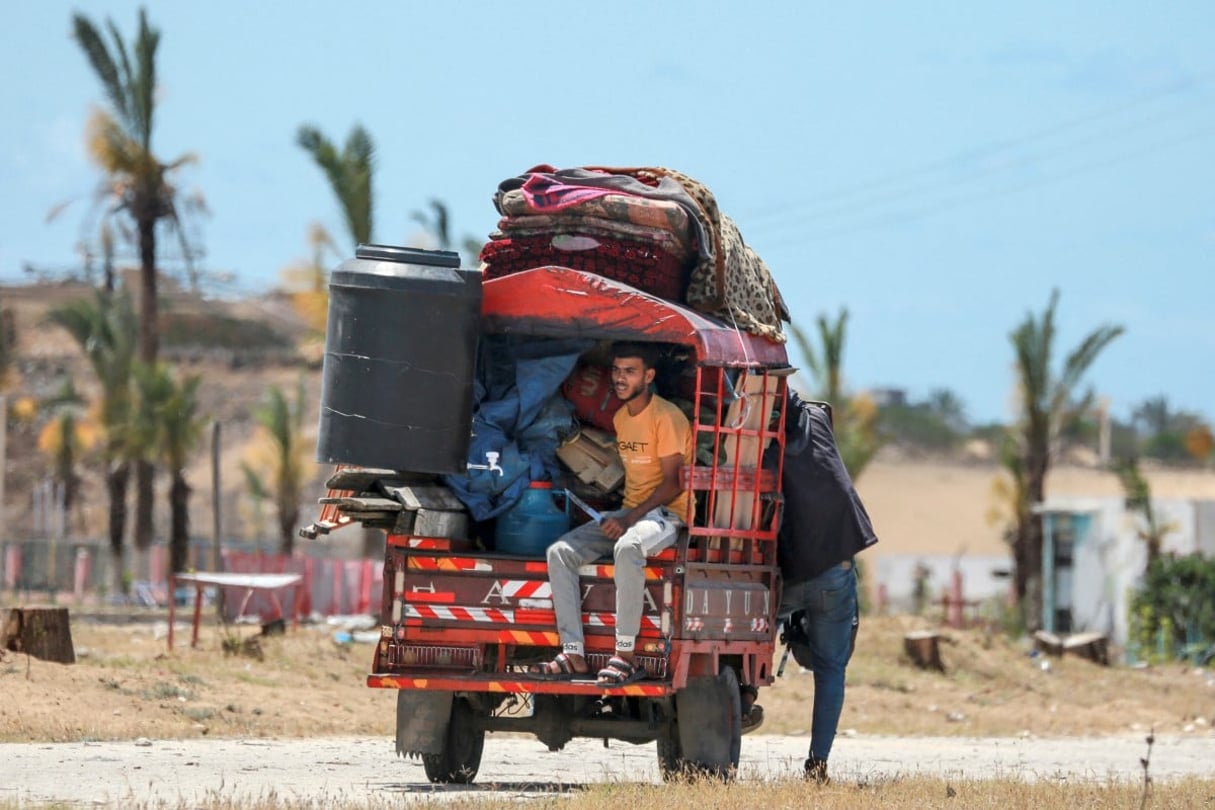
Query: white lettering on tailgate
x=495, y=592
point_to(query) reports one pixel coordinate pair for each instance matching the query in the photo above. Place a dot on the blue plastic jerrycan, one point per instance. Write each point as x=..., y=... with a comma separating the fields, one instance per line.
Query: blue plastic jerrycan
x=531, y=525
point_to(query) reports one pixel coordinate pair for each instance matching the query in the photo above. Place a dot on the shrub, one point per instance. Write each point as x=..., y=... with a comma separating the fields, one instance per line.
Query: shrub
x=1176, y=602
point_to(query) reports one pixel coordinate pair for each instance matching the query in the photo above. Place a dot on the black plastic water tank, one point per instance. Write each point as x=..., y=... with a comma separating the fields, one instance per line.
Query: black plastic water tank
x=396, y=388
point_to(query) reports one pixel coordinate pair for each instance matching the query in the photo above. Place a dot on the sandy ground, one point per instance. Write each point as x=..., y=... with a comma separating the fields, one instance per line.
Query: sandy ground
x=344, y=770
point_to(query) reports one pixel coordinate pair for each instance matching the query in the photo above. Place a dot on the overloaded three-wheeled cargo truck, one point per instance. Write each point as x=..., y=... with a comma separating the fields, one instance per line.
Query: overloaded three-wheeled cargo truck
x=467, y=416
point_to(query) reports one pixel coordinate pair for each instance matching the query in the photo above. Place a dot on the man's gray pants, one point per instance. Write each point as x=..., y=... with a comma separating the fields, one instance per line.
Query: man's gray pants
x=585, y=544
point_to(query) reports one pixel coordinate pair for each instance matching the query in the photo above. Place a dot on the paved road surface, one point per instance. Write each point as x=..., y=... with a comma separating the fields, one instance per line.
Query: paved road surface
x=352, y=770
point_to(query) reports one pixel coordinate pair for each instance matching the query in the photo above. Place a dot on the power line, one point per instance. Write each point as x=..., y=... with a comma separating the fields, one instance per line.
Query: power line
x=956, y=202
x=1013, y=163
x=839, y=198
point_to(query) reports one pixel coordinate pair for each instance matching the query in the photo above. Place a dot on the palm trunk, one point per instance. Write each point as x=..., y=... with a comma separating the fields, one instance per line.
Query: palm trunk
x=144, y=472
x=149, y=314
x=116, y=485
x=1030, y=538
x=288, y=516
x=149, y=345
x=179, y=532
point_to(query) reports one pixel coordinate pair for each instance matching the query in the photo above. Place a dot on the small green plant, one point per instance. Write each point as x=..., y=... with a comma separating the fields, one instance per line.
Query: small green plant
x=199, y=713
x=162, y=690
x=1175, y=604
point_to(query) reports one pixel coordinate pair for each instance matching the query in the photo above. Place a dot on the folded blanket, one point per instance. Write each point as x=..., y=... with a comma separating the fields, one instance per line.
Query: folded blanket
x=628, y=208
x=678, y=245
x=638, y=264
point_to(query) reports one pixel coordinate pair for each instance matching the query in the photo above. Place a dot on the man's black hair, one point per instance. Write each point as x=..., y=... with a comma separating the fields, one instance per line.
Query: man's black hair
x=648, y=352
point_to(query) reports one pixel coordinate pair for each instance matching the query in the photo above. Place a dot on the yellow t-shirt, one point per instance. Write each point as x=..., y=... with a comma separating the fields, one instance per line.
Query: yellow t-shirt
x=658, y=431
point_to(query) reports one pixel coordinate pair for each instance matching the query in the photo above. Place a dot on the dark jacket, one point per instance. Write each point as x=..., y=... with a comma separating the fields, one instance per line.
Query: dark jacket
x=824, y=521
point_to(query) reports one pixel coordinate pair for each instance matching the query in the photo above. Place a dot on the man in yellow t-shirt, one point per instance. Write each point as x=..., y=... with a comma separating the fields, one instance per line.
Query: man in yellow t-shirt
x=655, y=442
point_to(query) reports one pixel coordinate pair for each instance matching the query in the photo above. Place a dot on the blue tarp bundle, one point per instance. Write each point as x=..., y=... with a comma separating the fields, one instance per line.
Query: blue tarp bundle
x=518, y=412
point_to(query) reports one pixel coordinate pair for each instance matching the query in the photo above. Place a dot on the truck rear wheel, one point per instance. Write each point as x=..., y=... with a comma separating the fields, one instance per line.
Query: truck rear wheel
x=462, y=746
x=706, y=738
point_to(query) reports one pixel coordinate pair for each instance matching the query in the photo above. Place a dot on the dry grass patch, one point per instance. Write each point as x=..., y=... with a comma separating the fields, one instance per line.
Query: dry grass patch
x=992, y=687
x=919, y=793
x=127, y=685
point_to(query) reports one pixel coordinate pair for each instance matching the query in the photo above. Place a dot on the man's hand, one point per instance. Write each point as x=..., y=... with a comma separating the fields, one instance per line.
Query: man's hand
x=613, y=528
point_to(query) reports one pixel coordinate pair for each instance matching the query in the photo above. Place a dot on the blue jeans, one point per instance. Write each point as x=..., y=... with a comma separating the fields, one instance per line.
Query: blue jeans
x=830, y=604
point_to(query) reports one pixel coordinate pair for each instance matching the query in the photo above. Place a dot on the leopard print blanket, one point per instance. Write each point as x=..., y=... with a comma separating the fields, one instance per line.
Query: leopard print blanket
x=730, y=280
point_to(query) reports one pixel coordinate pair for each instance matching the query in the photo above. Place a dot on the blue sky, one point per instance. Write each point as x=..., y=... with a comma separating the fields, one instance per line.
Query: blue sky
x=937, y=168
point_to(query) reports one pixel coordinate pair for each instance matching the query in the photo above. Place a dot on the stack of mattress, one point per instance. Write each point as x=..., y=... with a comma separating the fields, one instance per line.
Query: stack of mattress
x=655, y=229
x=611, y=230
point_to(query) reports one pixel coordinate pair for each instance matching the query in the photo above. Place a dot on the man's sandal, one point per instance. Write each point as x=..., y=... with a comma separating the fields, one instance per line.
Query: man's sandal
x=619, y=672
x=560, y=668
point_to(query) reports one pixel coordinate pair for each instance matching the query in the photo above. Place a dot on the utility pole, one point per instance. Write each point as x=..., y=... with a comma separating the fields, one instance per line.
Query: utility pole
x=216, y=515
x=215, y=496
x=3, y=463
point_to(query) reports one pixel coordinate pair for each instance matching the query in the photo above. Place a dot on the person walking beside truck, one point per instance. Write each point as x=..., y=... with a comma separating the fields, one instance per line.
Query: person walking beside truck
x=823, y=526
x=655, y=442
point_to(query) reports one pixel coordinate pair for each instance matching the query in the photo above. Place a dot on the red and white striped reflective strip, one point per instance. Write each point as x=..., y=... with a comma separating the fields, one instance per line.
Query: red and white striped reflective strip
x=428, y=543
x=609, y=571
x=463, y=614
x=759, y=624
x=727, y=626
x=525, y=588
x=448, y=564
x=530, y=637
x=693, y=623
x=496, y=615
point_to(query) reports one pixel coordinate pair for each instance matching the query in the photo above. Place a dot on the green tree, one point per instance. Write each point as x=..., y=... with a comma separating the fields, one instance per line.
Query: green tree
x=105, y=329
x=1167, y=434
x=1137, y=495
x=349, y=173
x=1049, y=402
x=438, y=224
x=1176, y=600
x=855, y=417
x=137, y=181
x=64, y=440
x=282, y=423
x=307, y=281
x=949, y=408
x=177, y=428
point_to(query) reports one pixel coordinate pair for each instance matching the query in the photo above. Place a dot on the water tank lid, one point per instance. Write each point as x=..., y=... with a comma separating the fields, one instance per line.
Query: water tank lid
x=408, y=255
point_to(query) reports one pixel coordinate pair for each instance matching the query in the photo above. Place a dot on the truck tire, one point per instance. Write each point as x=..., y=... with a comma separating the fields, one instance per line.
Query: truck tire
x=706, y=738
x=670, y=755
x=462, y=746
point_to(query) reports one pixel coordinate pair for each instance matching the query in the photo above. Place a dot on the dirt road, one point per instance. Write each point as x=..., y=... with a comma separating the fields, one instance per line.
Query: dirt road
x=340, y=770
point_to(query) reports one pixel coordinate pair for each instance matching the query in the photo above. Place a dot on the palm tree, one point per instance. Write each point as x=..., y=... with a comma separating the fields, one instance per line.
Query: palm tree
x=855, y=418
x=438, y=223
x=1154, y=415
x=282, y=422
x=1137, y=495
x=1048, y=405
x=307, y=281
x=948, y=406
x=178, y=427
x=137, y=182
x=106, y=329
x=64, y=439
x=349, y=173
